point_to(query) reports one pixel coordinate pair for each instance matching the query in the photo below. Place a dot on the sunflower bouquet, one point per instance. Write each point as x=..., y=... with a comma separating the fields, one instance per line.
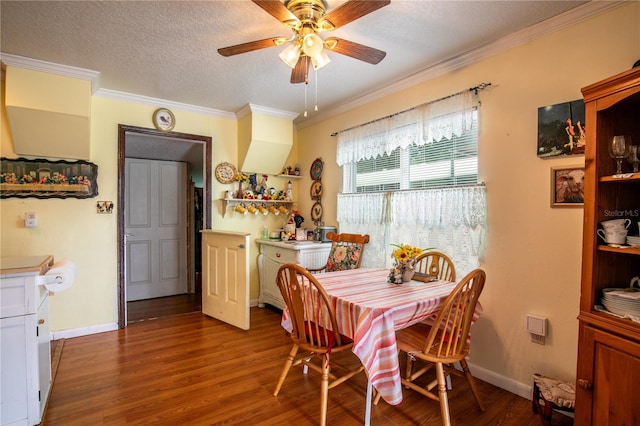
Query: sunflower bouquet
x=404, y=257
x=405, y=253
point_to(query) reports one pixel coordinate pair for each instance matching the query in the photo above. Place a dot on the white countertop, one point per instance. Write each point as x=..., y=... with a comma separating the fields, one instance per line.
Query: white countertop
x=25, y=264
x=293, y=244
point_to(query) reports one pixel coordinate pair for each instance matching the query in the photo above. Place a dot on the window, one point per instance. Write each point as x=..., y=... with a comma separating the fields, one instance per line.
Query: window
x=448, y=162
x=412, y=178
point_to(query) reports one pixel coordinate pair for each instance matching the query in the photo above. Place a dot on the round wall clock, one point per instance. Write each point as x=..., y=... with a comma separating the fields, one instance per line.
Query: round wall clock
x=163, y=119
x=316, y=189
x=316, y=169
x=226, y=172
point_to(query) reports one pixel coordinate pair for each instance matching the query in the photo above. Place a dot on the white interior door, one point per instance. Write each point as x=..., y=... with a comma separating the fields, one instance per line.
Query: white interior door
x=225, y=277
x=155, y=227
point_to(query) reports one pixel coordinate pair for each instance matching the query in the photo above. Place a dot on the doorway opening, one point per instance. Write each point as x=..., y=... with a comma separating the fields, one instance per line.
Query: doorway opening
x=196, y=151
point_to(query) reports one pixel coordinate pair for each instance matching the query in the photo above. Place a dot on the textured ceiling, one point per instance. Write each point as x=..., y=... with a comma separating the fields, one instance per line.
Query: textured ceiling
x=167, y=49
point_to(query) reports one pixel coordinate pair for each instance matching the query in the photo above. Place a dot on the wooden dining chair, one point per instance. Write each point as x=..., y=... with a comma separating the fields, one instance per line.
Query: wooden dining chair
x=445, y=342
x=432, y=265
x=346, y=252
x=314, y=331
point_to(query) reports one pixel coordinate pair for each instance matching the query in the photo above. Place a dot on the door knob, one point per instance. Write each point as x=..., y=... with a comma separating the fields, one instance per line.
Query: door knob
x=584, y=384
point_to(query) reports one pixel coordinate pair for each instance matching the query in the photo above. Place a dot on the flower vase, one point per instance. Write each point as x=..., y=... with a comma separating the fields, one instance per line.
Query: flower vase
x=239, y=194
x=407, y=275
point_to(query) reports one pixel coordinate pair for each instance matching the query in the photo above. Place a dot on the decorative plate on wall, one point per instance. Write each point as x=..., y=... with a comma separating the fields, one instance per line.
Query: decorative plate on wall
x=226, y=172
x=316, y=169
x=316, y=212
x=163, y=119
x=316, y=190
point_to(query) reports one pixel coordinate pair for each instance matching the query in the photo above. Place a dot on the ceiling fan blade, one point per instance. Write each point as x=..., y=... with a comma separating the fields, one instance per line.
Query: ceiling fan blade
x=301, y=70
x=355, y=50
x=277, y=10
x=350, y=11
x=251, y=46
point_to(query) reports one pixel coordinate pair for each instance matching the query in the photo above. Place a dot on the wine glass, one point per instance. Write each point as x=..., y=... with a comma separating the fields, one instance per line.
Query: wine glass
x=619, y=149
x=633, y=159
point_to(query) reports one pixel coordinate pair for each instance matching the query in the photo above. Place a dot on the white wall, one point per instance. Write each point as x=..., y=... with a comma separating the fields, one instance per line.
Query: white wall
x=532, y=256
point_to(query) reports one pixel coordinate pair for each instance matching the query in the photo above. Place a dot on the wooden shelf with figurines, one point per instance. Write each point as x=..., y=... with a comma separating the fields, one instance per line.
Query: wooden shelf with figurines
x=258, y=198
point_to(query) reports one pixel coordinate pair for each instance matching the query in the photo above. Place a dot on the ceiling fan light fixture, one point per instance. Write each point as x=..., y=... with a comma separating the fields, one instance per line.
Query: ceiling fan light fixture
x=320, y=60
x=312, y=44
x=290, y=55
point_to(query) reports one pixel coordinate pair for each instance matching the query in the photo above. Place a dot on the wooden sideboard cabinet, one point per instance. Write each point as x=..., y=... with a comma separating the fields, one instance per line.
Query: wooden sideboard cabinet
x=25, y=361
x=608, y=370
x=274, y=253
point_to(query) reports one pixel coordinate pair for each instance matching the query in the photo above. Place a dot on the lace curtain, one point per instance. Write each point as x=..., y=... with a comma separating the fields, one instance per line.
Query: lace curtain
x=420, y=125
x=450, y=220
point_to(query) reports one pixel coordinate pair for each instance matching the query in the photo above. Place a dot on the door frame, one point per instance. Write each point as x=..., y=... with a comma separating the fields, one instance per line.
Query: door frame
x=123, y=129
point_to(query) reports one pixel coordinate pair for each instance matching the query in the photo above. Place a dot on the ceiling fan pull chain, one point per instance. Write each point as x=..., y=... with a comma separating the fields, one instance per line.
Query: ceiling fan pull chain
x=316, y=76
x=306, y=83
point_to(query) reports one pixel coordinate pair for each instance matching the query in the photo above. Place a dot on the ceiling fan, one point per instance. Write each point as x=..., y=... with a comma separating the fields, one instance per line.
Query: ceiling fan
x=307, y=18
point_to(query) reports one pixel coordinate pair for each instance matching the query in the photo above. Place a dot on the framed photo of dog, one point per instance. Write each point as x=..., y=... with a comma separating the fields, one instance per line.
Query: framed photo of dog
x=567, y=186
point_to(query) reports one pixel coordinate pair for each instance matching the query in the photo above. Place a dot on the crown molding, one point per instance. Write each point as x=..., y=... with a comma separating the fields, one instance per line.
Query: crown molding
x=50, y=67
x=248, y=108
x=582, y=13
x=157, y=102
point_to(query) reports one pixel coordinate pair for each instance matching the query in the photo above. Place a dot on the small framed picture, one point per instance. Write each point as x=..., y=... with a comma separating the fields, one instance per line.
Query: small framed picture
x=567, y=186
x=561, y=129
x=104, y=207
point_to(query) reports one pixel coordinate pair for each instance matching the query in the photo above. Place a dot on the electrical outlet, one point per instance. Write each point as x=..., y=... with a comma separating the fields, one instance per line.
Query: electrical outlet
x=30, y=220
x=535, y=338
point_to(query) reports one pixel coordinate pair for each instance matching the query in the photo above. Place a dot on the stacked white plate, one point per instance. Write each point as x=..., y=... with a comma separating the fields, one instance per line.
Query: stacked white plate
x=633, y=241
x=622, y=301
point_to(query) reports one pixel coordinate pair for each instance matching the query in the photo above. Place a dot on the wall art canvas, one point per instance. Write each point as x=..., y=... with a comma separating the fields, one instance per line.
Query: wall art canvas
x=22, y=178
x=567, y=186
x=561, y=129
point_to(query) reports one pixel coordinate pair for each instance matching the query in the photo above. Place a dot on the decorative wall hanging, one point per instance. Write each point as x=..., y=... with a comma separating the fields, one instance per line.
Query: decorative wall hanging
x=316, y=190
x=316, y=169
x=42, y=178
x=104, y=207
x=163, y=119
x=567, y=186
x=561, y=129
x=226, y=172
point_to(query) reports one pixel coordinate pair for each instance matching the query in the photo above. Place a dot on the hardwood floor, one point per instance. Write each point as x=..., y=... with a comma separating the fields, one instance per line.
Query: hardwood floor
x=142, y=310
x=194, y=370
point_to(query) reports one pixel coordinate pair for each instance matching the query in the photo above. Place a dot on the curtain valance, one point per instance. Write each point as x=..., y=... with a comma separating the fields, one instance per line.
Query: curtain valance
x=420, y=125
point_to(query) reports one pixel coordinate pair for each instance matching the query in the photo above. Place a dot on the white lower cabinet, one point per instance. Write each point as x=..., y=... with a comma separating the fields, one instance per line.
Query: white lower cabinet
x=25, y=358
x=274, y=254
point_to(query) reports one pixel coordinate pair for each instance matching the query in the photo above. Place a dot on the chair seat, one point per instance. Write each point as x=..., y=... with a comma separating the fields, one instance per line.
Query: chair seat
x=552, y=394
x=411, y=340
x=325, y=337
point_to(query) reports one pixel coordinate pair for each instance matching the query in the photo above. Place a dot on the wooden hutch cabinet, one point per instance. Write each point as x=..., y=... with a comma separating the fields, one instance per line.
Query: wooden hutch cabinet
x=608, y=371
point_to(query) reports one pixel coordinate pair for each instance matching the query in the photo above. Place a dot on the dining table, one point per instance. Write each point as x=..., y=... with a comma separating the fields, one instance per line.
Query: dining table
x=369, y=310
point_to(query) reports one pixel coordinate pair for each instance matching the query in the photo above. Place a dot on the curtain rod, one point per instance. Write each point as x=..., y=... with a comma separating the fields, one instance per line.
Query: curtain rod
x=475, y=89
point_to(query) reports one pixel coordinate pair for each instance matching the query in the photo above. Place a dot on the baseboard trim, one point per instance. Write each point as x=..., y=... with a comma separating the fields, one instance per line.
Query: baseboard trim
x=521, y=389
x=83, y=331
x=101, y=328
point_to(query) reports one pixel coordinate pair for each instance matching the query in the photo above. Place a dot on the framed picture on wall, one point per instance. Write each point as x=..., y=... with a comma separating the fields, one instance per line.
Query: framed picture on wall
x=561, y=129
x=567, y=186
x=42, y=178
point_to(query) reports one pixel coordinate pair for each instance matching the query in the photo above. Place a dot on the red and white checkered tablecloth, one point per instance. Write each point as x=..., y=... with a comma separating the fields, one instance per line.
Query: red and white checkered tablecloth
x=369, y=310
